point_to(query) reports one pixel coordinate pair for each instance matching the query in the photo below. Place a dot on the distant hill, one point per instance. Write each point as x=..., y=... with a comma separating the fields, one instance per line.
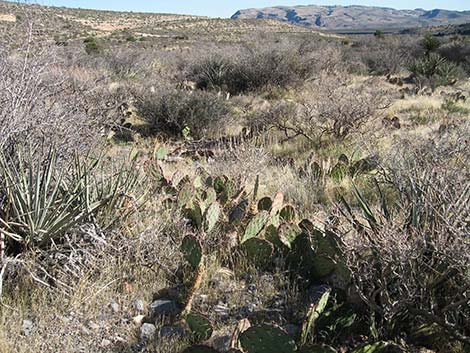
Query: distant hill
x=356, y=17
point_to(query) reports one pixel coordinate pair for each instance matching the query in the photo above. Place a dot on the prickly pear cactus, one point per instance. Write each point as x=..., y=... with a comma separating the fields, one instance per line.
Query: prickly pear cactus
x=288, y=213
x=266, y=339
x=271, y=234
x=258, y=251
x=301, y=257
x=255, y=226
x=314, y=312
x=211, y=217
x=210, y=196
x=278, y=201
x=194, y=213
x=265, y=204
x=185, y=195
x=192, y=250
x=200, y=327
x=288, y=233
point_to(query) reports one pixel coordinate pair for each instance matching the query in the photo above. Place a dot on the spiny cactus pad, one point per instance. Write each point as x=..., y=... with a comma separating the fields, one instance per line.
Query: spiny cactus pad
x=200, y=327
x=266, y=339
x=277, y=203
x=323, y=266
x=271, y=233
x=258, y=251
x=265, y=204
x=211, y=217
x=288, y=213
x=255, y=226
x=288, y=233
x=186, y=195
x=192, y=250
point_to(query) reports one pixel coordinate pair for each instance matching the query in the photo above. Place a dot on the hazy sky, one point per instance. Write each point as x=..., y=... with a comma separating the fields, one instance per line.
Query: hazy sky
x=226, y=8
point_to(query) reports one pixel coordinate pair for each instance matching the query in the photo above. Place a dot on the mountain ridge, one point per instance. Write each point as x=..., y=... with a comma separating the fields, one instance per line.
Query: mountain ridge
x=355, y=16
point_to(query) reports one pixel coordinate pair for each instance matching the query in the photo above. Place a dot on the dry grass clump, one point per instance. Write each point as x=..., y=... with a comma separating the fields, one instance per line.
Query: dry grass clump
x=409, y=259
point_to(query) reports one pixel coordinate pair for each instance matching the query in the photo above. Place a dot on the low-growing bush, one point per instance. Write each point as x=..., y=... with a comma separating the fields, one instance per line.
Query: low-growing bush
x=330, y=106
x=170, y=111
x=433, y=70
x=458, y=53
x=252, y=69
x=409, y=259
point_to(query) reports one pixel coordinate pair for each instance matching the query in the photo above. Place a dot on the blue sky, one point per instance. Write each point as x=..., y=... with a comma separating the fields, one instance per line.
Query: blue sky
x=225, y=8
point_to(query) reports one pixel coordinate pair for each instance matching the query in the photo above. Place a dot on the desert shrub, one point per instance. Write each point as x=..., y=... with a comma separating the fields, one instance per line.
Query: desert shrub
x=433, y=71
x=169, y=111
x=124, y=64
x=409, y=259
x=430, y=43
x=40, y=100
x=384, y=57
x=252, y=69
x=457, y=52
x=328, y=106
x=92, y=46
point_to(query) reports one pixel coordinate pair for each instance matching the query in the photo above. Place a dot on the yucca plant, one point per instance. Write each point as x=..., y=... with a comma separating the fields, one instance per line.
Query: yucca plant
x=113, y=183
x=40, y=202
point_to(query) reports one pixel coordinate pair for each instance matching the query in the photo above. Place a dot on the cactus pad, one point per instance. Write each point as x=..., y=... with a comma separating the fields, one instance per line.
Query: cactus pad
x=258, y=251
x=265, y=204
x=266, y=339
x=288, y=233
x=200, y=327
x=192, y=250
x=255, y=226
x=288, y=213
x=211, y=217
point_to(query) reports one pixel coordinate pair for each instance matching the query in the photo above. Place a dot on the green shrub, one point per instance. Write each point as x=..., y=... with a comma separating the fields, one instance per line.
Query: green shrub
x=430, y=43
x=91, y=46
x=47, y=200
x=433, y=70
x=251, y=70
x=171, y=111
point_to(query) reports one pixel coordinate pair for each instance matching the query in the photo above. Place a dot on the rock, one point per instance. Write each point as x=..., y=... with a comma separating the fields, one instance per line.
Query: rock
x=163, y=308
x=139, y=305
x=105, y=343
x=114, y=307
x=221, y=343
x=94, y=326
x=252, y=287
x=27, y=327
x=177, y=332
x=147, y=331
x=138, y=319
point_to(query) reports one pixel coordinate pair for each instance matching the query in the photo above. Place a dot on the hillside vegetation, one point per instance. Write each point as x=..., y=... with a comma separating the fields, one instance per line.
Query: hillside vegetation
x=183, y=184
